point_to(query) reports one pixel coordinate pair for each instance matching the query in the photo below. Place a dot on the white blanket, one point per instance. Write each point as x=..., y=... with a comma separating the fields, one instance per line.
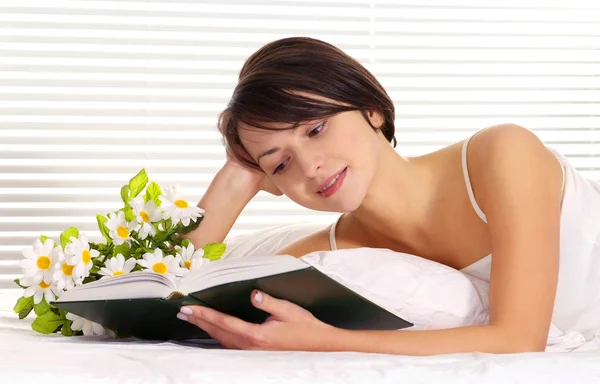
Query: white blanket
x=28, y=357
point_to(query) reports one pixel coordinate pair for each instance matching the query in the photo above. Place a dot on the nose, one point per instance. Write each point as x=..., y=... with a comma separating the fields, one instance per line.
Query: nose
x=310, y=163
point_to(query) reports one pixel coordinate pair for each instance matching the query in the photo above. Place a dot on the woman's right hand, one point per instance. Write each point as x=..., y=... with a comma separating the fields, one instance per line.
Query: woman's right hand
x=246, y=177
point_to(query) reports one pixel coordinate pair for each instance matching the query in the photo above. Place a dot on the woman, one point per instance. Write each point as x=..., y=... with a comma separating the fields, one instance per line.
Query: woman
x=308, y=121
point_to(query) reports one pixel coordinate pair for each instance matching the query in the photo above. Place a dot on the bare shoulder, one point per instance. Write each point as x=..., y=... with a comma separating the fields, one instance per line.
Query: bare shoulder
x=509, y=153
x=318, y=241
x=503, y=138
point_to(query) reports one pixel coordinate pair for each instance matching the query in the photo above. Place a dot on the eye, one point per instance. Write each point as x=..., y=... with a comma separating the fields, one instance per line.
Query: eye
x=314, y=132
x=280, y=167
x=317, y=130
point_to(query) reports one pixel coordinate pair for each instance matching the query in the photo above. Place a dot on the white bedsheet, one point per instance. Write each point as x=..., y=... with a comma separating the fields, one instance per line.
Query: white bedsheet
x=27, y=357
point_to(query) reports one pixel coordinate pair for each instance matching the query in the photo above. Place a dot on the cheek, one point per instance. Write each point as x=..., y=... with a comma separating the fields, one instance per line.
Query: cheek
x=298, y=194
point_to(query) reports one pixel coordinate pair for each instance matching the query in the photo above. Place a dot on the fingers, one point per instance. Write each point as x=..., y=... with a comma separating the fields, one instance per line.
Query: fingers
x=230, y=331
x=280, y=309
x=224, y=338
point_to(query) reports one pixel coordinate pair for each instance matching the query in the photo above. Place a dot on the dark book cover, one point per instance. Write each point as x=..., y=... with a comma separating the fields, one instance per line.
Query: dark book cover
x=155, y=319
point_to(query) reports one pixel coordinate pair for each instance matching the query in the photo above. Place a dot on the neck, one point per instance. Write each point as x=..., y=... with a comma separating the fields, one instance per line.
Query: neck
x=397, y=203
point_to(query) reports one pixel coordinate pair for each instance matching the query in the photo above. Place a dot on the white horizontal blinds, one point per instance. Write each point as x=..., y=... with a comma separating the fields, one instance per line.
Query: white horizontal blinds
x=454, y=69
x=92, y=91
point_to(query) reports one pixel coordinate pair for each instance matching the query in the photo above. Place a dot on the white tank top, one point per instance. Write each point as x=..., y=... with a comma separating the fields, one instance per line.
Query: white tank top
x=577, y=303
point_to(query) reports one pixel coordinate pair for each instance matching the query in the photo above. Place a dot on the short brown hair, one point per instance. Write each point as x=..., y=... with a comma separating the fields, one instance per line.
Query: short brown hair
x=272, y=78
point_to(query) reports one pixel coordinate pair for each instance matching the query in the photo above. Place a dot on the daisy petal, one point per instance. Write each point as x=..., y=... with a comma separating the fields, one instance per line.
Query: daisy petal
x=29, y=253
x=37, y=297
x=27, y=263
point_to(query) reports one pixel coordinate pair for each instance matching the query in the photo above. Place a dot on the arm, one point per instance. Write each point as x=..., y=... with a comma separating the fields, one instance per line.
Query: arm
x=229, y=192
x=517, y=182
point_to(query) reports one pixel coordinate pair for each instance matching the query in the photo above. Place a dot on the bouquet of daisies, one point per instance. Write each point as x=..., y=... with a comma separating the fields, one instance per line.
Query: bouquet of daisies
x=144, y=235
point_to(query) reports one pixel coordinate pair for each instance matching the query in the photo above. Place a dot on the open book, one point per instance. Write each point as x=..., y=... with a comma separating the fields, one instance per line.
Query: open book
x=145, y=304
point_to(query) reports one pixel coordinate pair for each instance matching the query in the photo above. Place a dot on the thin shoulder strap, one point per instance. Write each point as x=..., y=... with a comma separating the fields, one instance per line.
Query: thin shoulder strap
x=332, y=243
x=468, y=181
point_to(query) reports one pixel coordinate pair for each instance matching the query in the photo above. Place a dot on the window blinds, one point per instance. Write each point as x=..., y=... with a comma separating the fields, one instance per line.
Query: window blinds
x=92, y=91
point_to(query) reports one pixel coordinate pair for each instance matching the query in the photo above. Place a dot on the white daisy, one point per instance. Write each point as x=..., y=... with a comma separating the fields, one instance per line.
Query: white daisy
x=38, y=262
x=120, y=229
x=198, y=263
x=145, y=215
x=116, y=266
x=177, y=208
x=189, y=256
x=80, y=255
x=89, y=327
x=64, y=274
x=39, y=290
x=162, y=265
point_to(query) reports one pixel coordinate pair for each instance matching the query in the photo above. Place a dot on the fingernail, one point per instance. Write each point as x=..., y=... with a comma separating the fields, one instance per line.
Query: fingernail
x=258, y=297
x=186, y=310
x=181, y=316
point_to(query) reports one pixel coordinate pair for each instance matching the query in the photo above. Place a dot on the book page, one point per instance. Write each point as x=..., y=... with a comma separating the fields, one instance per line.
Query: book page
x=227, y=271
x=135, y=285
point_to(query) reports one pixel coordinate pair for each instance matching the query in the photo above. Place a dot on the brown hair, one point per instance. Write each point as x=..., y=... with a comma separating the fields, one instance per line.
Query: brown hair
x=272, y=78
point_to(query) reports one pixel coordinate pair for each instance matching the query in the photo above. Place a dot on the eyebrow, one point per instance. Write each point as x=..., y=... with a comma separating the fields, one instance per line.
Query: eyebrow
x=275, y=149
x=267, y=153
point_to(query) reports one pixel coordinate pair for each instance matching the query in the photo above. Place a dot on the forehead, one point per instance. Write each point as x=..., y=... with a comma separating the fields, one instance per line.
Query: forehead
x=256, y=138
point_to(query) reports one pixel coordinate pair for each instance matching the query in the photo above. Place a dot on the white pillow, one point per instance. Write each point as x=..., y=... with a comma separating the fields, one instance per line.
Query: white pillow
x=268, y=241
x=428, y=294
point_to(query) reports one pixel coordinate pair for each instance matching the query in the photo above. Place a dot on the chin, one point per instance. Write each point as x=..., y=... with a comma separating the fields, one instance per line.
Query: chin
x=347, y=201
x=351, y=203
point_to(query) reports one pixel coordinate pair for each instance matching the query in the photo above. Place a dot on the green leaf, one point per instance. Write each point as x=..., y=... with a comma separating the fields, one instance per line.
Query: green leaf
x=89, y=279
x=123, y=249
x=185, y=243
x=18, y=282
x=214, y=251
x=42, y=307
x=138, y=183
x=125, y=194
x=24, y=307
x=66, y=329
x=44, y=238
x=47, y=323
x=100, y=247
x=103, y=228
x=24, y=313
x=152, y=193
x=23, y=303
x=129, y=215
x=192, y=226
x=65, y=237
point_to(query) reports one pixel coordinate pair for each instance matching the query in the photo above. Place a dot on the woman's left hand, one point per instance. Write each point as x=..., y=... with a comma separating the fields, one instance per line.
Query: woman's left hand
x=290, y=327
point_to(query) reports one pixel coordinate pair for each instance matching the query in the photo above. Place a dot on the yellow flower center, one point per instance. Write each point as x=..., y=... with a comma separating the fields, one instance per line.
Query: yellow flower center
x=86, y=256
x=160, y=267
x=118, y=273
x=123, y=232
x=187, y=264
x=43, y=262
x=181, y=204
x=43, y=284
x=67, y=269
x=145, y=217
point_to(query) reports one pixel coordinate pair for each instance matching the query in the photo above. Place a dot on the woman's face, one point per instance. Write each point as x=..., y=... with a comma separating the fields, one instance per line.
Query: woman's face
x=325, y=165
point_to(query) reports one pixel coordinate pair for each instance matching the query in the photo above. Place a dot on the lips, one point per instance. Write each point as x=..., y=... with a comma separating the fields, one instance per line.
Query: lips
x=329, y=180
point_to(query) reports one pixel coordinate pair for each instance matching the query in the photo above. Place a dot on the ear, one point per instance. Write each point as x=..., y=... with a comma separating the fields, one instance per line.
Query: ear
x=376, y=118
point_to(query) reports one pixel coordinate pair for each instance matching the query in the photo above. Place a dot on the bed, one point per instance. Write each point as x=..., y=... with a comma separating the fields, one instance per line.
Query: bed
x=28, y=357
